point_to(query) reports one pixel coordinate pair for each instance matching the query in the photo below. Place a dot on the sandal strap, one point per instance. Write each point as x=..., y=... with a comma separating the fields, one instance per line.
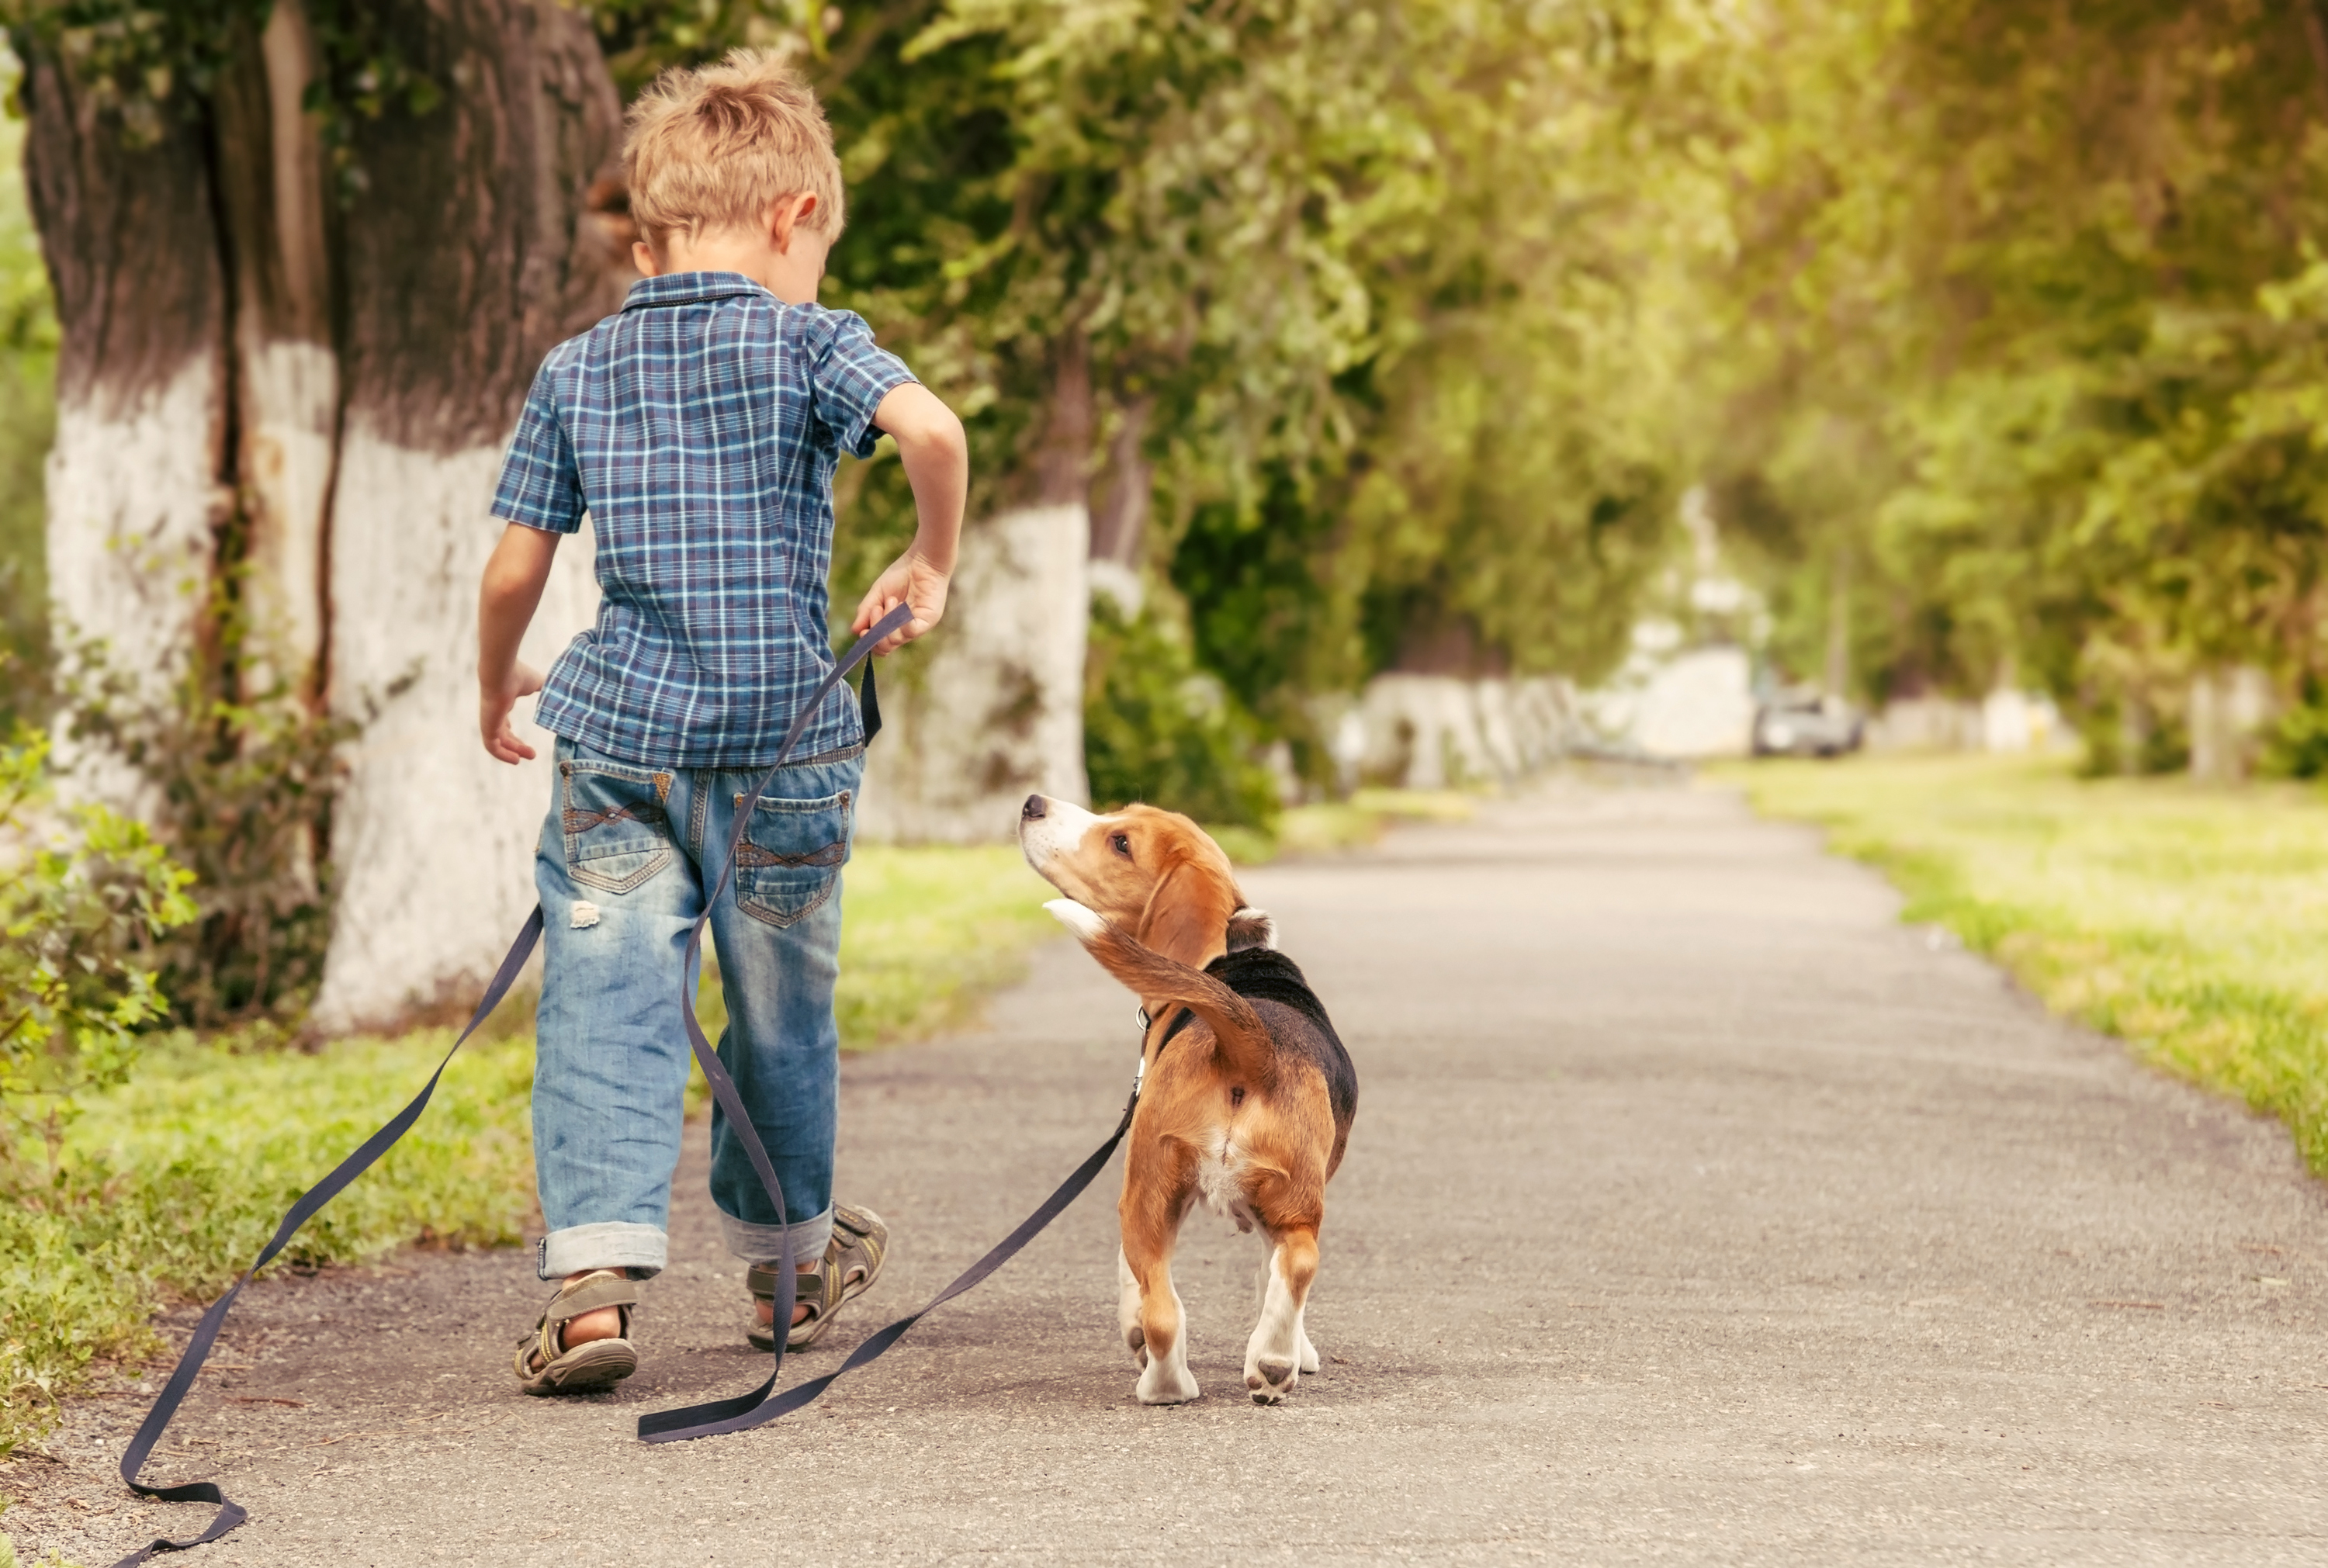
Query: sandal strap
x=814, y=1289
x=606, y=1288
x=589, y=1294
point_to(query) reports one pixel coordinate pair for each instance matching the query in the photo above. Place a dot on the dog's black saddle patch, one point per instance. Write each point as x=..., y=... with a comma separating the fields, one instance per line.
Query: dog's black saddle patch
x=1265, y=975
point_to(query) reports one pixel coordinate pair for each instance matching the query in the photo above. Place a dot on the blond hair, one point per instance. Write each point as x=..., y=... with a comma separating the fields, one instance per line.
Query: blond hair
x=710, y=148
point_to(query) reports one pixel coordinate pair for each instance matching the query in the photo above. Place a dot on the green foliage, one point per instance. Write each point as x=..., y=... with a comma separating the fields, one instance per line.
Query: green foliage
x=84, y=897
x=1319, y=266
x=138, y=61
x=2023, y=321
x=2187, y=920
x=242, y=792
x=2297, y=746
x=1156, y=728
x=28, y=368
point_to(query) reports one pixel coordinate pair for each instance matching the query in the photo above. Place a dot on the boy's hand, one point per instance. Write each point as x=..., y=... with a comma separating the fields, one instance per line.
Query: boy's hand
x=910, y=581
x=493, y=714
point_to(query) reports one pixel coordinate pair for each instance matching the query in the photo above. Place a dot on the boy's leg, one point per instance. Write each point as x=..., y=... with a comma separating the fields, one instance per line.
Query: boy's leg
x=778, y=932
x=617, y=897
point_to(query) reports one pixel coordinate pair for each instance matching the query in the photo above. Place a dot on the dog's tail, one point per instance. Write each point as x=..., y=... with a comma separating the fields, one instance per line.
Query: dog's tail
x=1240, y=1037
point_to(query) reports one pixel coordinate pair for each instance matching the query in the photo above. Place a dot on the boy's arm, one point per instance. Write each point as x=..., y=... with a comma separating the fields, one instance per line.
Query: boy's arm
x=937, y=455
x=514, y=578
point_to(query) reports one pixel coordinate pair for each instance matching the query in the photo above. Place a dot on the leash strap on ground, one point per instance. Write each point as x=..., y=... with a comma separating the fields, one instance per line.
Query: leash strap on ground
x=190, y=1363
x=198, y=1349
x=754, y=1409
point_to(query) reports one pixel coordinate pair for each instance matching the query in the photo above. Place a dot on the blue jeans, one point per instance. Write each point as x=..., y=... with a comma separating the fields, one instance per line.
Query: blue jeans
x=624, y=866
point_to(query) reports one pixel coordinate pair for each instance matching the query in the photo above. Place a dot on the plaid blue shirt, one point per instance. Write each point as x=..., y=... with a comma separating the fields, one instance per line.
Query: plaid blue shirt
x=699, y=428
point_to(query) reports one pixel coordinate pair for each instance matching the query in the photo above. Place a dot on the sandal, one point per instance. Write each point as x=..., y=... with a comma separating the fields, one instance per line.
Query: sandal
x=544, y=1364
x=852, y=1262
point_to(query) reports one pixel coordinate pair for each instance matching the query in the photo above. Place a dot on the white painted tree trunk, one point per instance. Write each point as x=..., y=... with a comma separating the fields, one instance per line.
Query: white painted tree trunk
x=988, y=708
x=1430, y=732
x=434, y=838
x=131, y=492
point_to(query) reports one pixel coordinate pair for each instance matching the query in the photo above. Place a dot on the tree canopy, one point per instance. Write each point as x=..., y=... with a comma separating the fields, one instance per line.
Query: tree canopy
x=1389, y=333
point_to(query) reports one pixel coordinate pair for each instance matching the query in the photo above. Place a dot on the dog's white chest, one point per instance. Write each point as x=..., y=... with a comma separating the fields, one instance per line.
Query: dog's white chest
x=1220, y=1180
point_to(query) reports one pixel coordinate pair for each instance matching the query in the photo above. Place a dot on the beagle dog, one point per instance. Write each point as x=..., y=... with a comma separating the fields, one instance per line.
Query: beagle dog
x=1247, y=1095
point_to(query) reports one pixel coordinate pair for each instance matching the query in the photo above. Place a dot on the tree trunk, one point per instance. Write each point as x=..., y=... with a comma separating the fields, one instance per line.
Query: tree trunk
x=259, y=379
x=993, y=710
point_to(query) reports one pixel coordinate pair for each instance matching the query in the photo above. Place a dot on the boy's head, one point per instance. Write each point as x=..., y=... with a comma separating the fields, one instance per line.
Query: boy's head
x=730, y=148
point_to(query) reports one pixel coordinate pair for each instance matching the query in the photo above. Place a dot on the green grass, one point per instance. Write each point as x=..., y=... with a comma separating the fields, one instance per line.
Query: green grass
x=2189, y=920
x=171, y=1184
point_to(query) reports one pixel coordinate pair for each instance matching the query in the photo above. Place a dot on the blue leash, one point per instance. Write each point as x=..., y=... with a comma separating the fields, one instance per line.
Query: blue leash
x=741, y=1413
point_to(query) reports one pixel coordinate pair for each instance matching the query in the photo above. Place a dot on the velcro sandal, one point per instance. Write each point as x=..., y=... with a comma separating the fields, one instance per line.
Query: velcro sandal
x=852, y=1262
x=544, y=1364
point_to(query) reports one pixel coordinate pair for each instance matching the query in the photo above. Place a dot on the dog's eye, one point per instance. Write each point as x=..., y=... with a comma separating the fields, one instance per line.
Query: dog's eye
x=1123, y=842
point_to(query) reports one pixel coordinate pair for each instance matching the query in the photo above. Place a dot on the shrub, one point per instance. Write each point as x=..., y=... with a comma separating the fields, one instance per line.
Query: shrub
x=83, y=902
x=2297, y=745
x=1159, y=729
x=243, y=790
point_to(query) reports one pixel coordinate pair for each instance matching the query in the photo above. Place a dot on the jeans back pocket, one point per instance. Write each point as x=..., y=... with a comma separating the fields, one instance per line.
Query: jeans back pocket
x=618, y=834
x=791, y=857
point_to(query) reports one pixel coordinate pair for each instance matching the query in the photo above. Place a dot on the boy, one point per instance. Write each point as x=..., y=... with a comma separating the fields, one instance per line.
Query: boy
x=699, y=428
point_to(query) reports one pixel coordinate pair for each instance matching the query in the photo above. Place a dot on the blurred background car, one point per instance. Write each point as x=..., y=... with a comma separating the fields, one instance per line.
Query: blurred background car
x=1808, y=724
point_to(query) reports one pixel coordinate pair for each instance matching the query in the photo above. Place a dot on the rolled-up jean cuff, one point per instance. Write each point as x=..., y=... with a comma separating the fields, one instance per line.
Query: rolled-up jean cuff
x=764, y=1244
x=642, y=1249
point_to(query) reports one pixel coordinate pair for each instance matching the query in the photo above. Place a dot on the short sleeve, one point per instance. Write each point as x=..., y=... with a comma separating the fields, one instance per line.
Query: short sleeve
x=850, y=377
x=540, y=486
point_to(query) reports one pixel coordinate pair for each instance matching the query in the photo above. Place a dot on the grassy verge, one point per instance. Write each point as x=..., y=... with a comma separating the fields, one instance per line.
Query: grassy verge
x=1332, y=826
x=171, y=1184
x=2190, y=921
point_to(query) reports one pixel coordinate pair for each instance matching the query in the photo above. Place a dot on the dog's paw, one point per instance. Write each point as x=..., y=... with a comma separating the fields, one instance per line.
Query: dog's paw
x=1308, y=1355
x=1084, y=922
x=1165, y=1384
x=1269, y=1382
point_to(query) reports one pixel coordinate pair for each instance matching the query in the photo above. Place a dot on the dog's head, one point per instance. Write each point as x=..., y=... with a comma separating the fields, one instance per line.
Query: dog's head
x=1153, y=873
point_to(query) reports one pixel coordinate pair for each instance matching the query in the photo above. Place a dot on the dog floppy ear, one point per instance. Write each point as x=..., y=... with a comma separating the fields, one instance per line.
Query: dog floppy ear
x=1250, y=927
x=1187, y=916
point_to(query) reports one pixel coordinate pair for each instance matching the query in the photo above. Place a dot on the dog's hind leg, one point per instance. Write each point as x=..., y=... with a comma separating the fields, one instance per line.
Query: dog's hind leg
x=1127, y=1309
x=1279, y=1351
x=1156, y=1187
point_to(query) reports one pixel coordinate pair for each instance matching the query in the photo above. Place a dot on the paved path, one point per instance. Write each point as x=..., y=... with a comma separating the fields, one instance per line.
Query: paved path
x=1695, y=1211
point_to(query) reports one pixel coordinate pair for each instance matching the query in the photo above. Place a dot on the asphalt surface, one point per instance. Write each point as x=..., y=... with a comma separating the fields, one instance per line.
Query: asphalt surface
x=1695, y=1211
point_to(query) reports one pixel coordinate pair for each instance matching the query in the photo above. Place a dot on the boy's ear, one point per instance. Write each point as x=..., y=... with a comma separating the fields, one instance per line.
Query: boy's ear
x=787, y=213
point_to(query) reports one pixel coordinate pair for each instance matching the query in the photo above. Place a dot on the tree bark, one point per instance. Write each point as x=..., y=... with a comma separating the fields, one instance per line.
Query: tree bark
x=260, y=380
x=135, y=479
x=993, y=710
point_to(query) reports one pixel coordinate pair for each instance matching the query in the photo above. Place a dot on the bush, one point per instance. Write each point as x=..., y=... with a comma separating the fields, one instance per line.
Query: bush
x=83, y=902
x=1159, y=729
x=243, y=790
x=2297, y=746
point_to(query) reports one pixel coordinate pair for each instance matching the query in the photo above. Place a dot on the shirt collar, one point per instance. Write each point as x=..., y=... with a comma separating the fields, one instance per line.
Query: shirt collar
x=686, y=288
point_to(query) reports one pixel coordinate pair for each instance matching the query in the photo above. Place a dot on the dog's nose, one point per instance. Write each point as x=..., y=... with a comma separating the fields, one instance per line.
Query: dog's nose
x=1033, y=809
